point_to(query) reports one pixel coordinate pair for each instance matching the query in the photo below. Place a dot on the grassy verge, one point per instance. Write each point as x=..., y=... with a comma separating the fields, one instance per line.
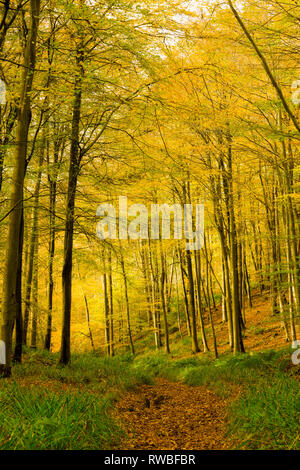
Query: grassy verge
x=91, y=370
x=39, y=420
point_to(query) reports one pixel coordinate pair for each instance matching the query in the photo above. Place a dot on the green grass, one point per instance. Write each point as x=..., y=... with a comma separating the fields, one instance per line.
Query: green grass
x=94, y=371
x=46, y=406
x=39, y=420
x=257, y=330
x=267, y=416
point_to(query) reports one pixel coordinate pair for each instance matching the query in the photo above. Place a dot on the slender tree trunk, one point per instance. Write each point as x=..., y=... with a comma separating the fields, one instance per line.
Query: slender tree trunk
x=127, y=302
x=236, y=310
x=224, y=306
x=87, y=311
x=52, y=179
x=178, y=306
x=220, y=223
x=19, y=317
x=50, y=264
x=75, y=157
x=195, y=346
x=145, y=269
x=106, y=305
x=155, y=293
x=197, y=258
x=247, y=282
x=32, y=249
x=4, y=140
x=34, y=310
x=186, y=301
x=111, y=306
x=163, y=299
x=209, y=306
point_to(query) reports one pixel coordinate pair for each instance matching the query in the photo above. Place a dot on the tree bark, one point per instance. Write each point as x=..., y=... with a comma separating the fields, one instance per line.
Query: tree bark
x=74, y=166
x=9, y=298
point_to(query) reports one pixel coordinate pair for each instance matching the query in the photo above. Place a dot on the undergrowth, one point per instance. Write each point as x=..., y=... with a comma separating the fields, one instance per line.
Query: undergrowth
x=40, y=420
x=45, y=406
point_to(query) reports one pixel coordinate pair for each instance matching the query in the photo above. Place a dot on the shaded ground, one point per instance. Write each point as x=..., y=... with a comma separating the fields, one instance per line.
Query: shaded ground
x=169, y=415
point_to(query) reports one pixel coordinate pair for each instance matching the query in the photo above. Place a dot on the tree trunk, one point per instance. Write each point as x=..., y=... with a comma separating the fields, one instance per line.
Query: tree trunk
x=9, y=298
x=19, y=317
x=197, y=258
x=75, y=157
x=236, y=310
x=127, y=301
x=163, y=299
x=111, y=307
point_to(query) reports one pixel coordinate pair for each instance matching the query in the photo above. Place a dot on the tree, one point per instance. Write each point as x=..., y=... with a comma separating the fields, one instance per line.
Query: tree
x=9, y=303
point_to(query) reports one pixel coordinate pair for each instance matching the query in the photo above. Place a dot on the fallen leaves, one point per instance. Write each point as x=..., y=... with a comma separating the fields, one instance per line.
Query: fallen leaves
x=172, y=416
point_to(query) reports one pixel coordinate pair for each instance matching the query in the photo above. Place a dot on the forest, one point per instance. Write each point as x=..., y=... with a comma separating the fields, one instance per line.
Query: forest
x=128, y=130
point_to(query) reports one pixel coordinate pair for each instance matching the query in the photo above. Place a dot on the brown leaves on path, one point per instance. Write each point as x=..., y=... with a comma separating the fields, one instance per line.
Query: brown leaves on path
x=172, y=416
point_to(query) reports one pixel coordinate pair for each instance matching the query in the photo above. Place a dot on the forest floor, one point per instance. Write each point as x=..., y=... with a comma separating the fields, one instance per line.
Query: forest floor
x=172, y=416
x=263, y=330
x=155, y=401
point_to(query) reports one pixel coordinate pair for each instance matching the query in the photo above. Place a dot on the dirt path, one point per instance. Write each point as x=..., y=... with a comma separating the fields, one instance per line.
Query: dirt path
x=168, y=415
